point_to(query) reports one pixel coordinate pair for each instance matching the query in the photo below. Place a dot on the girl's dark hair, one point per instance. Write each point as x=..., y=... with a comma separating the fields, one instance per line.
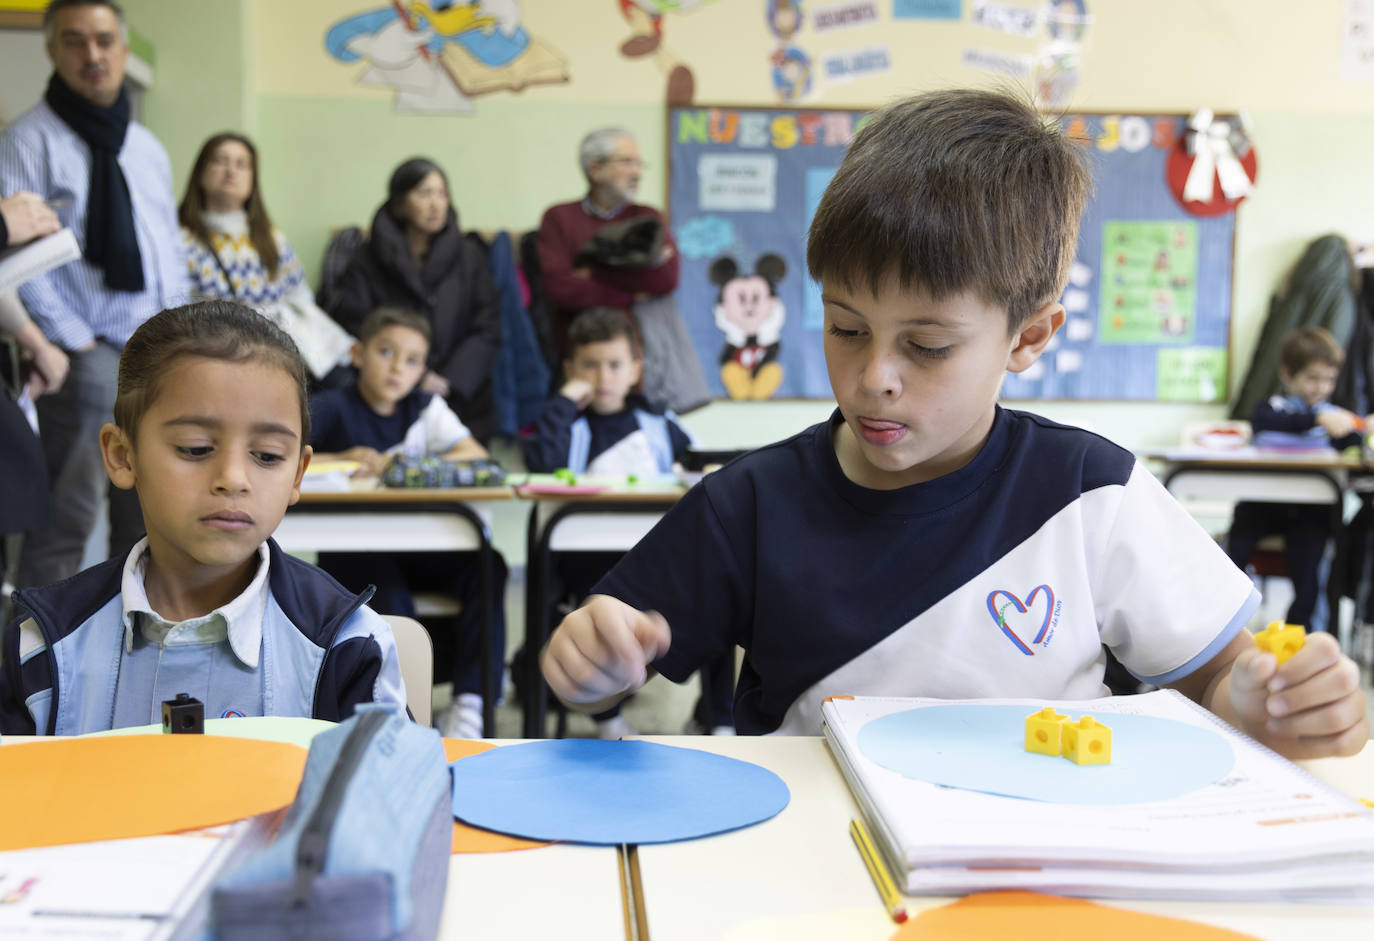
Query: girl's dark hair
x=259, y=223
x=216, y=329
x=408, y=176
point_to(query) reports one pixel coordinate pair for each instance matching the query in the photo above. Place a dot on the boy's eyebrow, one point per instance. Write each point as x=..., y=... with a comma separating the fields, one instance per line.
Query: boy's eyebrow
x=913, y=322
x=258, y=428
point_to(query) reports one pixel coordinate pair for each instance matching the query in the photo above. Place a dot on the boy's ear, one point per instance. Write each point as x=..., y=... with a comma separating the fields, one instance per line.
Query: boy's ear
x=306, y=453
x=356, y=352
x=1034, y=335
x=118, y=453
x=636, y=370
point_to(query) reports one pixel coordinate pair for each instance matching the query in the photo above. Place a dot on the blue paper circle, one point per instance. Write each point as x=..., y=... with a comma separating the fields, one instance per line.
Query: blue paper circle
x=982, y=748
x=589, y=791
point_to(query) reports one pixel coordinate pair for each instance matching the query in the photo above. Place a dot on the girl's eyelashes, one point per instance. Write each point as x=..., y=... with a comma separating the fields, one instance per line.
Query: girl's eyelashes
x=837, y=332
x=194, y=450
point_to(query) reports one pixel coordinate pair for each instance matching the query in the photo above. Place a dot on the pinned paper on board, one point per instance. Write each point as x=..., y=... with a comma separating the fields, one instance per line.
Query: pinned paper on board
x=609, y=793
x=83, y=789
x=981, y=748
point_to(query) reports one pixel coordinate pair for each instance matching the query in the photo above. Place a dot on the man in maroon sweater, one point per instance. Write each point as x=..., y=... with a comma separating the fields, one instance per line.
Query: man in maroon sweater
x=611, y=162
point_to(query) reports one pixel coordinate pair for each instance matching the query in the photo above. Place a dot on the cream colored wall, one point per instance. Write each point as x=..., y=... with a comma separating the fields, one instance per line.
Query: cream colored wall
x=328, y=144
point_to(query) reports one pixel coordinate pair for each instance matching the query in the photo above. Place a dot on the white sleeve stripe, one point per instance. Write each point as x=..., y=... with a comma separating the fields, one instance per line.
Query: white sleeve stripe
x=1232, y=628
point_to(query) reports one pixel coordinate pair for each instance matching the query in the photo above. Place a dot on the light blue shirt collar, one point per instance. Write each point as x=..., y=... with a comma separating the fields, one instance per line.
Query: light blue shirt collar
x=240, y=620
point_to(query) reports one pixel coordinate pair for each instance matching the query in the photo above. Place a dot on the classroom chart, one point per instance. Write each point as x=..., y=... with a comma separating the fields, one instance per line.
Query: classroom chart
x=1148, y=301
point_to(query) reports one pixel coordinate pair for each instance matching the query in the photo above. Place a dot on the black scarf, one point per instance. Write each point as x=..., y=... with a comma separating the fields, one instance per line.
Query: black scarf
x=111, y=243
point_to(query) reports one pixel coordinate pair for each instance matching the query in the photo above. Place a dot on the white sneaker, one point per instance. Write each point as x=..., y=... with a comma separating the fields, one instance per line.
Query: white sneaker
x=722, y=730
x=462, y=718
x=615, y=727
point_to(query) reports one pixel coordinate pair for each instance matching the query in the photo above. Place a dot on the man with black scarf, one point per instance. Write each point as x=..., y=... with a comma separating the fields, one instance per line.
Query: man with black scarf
x=111, y=183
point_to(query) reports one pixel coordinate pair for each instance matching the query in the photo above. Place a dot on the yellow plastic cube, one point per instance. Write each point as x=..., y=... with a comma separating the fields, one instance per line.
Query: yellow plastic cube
x=1044, y=732
x=1282, y=640
x=1088, y=742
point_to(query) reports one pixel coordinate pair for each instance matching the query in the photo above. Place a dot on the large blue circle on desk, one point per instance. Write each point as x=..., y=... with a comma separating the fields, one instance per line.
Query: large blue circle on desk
x=590, y=791
x=982, y=748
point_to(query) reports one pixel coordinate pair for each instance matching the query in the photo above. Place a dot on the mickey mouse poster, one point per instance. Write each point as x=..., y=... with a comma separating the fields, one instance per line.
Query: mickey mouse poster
x=750, y=314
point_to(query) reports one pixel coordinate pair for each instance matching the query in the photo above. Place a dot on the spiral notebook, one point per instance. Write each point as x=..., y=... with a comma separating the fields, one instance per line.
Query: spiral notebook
x=1188, y=808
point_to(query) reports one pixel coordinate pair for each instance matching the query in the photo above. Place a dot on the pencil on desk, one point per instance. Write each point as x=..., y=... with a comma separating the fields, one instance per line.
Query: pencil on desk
x=878, y=871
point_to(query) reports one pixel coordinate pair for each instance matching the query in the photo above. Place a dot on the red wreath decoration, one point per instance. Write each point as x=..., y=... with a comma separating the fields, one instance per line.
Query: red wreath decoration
x=1224, y=145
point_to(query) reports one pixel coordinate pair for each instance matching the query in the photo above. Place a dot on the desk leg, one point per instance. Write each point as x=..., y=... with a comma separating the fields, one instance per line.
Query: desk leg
x=532, y=704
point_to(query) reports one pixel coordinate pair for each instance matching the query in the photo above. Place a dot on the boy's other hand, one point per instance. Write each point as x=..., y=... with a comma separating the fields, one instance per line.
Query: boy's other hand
x=27, y=217
x=1338, y=422
x=371, y=462
x=580, y=391
x=1310, y=707
x=602, y=651
x=434, y=384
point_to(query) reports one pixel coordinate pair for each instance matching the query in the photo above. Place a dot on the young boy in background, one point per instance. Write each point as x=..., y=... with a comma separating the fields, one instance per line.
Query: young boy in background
x=925, y=541
x=211, y=428
x=596, y=424
x=1301, y=417
x=382, y=414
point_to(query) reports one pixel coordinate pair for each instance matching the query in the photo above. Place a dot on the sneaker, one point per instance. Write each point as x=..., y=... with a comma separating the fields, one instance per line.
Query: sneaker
x=615, y=727
x=722, y=730
x=462, y=718
x=694, y=727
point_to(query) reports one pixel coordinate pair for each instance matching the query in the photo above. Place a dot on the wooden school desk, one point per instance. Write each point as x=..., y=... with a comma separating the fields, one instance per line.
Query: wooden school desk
x=795, y=877
x=612, y=520
x=405, y=520
x=1318, y=477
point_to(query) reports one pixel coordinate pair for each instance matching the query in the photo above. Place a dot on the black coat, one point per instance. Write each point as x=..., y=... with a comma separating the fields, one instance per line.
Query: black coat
x=452, y=290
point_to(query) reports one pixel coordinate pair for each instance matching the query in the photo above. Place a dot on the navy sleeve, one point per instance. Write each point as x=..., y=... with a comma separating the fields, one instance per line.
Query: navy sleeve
x=326, y=433
x=1268, y=418
x=348, y=677
x=546, y=449
x=15, y=718
x=695, y=569
x=679, y=440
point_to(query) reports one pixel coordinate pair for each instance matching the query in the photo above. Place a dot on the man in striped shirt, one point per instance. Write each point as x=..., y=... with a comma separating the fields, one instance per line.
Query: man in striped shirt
x=110, y=182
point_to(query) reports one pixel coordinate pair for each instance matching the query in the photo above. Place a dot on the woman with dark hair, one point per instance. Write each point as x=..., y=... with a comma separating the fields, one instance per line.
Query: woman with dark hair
x=235, y=253
x=416, y=257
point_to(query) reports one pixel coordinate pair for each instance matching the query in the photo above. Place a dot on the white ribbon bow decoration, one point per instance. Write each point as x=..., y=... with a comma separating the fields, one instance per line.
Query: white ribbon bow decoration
x=1216, y=147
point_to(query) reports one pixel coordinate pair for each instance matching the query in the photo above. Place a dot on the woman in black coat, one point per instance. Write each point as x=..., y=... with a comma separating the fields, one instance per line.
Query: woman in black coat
x=416, y=257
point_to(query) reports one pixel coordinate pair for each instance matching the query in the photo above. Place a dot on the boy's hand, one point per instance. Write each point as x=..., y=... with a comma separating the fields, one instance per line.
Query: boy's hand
x=580, y=391
x=602, y=651
x=1338, y=422
x=1311, y=707
x=434, y=384
x=371, y=462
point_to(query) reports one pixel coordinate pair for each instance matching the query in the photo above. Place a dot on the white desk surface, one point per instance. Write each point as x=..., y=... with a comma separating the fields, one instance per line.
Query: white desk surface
x=792, y=878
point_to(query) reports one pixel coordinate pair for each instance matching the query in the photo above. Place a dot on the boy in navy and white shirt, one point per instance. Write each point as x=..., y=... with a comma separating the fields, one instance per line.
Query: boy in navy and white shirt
x=924, y=541
x=381, y=414
x=1300, y=418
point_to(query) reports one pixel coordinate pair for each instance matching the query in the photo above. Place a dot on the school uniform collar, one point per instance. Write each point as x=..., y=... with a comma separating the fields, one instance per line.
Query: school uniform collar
x=240, y=621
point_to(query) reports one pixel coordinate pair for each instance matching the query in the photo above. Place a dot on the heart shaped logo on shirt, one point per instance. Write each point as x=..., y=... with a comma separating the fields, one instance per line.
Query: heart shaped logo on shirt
x=1011, y=614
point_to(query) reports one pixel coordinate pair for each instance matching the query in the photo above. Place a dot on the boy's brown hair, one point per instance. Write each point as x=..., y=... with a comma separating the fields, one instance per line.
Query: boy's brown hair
x=601, y=325
x=1307, y=345
x=383, y=317
x=955, y=191
x=214, y=329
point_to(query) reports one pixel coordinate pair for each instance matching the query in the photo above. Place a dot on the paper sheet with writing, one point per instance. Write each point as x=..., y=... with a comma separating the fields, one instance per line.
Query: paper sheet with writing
x=1265, y=815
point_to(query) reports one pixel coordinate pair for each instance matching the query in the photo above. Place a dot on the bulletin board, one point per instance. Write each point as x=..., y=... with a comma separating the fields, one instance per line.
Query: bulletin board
x=1148, y=302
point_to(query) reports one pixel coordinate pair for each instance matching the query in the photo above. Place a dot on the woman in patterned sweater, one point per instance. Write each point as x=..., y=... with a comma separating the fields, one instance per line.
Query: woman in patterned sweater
x=234, y=252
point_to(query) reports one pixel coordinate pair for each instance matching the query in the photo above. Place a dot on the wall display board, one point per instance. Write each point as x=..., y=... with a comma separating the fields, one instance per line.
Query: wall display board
x=1148, y=300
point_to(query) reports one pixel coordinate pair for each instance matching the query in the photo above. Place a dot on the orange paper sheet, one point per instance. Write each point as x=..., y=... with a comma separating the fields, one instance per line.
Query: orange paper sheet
x=1030, y=916
x=85, y=789
x=468, y=839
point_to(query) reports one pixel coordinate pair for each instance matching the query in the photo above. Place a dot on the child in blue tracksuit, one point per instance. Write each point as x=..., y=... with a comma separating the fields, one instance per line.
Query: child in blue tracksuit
x=211, y=427
x=597, y=425
x=1309, y=362
x=381, y=414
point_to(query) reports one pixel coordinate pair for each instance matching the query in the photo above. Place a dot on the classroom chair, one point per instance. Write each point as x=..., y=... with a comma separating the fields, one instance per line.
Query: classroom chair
x=416, y=653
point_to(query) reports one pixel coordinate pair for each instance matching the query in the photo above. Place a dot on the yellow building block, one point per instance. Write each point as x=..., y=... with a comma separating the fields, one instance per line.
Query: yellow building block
x=1088, y=742
x=1044, y=732
x=1282, y=640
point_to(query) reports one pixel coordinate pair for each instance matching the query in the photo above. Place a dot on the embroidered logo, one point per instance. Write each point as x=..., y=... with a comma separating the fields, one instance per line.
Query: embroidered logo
x=1006, y=610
